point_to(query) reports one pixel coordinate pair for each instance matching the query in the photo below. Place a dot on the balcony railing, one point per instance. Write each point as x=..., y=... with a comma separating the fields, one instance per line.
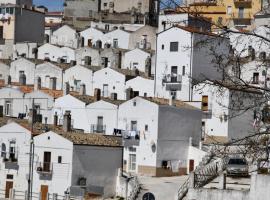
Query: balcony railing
x=11, y=161
x=243, y=3
x=96, y=128
x=44, y=167
x=172, y=78
x=131, y=138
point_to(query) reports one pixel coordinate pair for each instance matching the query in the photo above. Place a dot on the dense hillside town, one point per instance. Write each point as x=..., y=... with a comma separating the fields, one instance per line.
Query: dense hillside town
x=135, y=99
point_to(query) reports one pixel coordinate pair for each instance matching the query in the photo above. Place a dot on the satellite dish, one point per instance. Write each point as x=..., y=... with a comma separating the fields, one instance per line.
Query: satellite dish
x=148, y=196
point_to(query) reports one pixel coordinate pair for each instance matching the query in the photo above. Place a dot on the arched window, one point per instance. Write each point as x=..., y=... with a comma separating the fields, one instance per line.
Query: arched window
x=3, y=150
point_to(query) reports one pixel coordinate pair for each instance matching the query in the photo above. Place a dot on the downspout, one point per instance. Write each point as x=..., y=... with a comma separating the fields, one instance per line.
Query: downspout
x=155, y=79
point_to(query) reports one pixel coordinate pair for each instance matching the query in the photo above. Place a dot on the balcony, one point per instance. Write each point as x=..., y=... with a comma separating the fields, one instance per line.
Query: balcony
x=11, y=161
x=241, y=19
x=172, y=82
x=131, y=138
x=44, y=168
x=243, y=3
x=96, y=128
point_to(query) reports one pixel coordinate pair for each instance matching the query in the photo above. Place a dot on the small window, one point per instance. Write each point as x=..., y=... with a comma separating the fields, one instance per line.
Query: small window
x=204, y=103
x=9, y=176
x=183, y=70
x=255, y=78
x=134, y=103
x=59, y=159
x=174, y=46
x=146, y=127
x=145, y=94
x=162, y=47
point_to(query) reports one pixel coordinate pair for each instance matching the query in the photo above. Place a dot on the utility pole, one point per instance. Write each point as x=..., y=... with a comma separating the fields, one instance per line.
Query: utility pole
x=31, y=157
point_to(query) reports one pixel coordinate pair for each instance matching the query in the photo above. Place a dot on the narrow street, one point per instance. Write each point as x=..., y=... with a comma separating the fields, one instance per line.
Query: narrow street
x=163, y=188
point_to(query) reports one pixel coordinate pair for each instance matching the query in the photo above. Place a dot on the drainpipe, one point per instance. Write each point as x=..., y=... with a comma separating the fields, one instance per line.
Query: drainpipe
x=190, y=68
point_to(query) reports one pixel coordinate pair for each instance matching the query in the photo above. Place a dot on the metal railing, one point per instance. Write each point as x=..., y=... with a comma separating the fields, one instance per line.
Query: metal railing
x=44, y=167
x=203, y=174
x=97, y=128
x=172, y=78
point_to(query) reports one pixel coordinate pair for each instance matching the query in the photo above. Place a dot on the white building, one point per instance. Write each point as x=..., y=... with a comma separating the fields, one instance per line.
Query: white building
x=117, y=39
x=56, y=54
x=14, y=141
x=77, y=108
x=65, y=36
x=144, y=86
x=87, y=56
x=51, y=76
x=22, y=68
x=77, y=76
x=157, y=143
x=4, y=70
x=182, y=58
x=62, y=162
x=90, y=36
x=111, y=81
x=136, y=59
x=103, y=116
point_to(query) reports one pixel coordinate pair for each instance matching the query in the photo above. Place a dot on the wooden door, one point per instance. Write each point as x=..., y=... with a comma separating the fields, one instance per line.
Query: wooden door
x=9, y=185
x=191, y=165
x=44, y=192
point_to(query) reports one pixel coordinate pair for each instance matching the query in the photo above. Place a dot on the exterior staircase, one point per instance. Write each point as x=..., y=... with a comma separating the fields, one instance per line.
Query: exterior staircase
x=202, y=175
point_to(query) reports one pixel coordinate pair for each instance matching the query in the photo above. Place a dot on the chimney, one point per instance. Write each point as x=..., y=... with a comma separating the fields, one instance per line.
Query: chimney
x=52, y=85
x=73, y=62
x=113, y=96
x=129, y=93
x=251, y=53
x=66, y=89
x=67, y=121
x=8, y=80
x=97, y=94
x=190, y=141
x=82, y=89
x=32, y=116
x=148, y=67
x=1, y=111
x=55, y=119
x=22, y=79
x=262, y=56
x=37, y=85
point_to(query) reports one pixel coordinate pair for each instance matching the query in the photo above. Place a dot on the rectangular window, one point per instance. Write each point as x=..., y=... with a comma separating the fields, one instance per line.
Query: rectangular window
x=174, y=74
x=146, y=127
x=115, y=43
x=174, y=46
x=132, y=162
x=8, y=107
x=133, y=125
x=59, y=160
x=162, y=47
x=255, y=78
x=105, y=90
x=204, y=103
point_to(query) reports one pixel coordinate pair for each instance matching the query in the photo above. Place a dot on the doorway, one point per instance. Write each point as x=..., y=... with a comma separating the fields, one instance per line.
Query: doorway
x=9, y=186
x=44, y=192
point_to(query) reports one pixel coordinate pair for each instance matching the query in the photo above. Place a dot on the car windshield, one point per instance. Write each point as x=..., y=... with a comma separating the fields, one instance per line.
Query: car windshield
x=237, y=162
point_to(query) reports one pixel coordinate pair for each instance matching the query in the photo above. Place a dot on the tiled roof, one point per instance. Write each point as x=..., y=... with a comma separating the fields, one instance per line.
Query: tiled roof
x=176, y=103
x=211, y=139
x=77, y=137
